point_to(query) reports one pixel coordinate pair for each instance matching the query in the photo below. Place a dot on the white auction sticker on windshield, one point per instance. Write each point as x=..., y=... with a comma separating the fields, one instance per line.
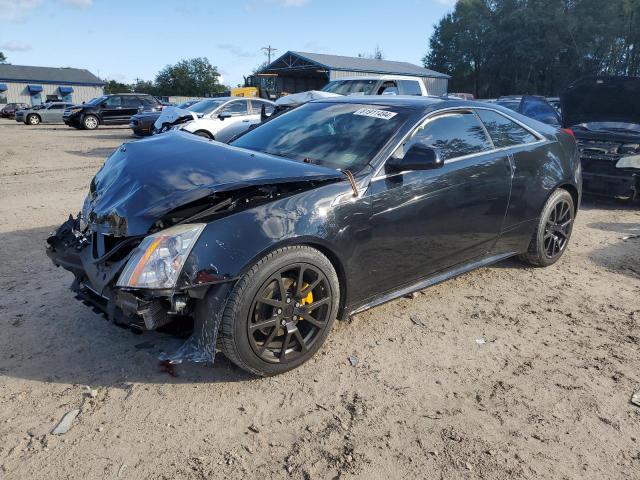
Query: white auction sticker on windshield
x=375, y=113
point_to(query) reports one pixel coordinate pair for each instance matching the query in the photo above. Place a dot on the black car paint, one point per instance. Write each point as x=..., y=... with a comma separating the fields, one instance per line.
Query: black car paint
x=401, y=232
x=604, y=99
x=124, y=200
x=108, y=115
x=142, y=123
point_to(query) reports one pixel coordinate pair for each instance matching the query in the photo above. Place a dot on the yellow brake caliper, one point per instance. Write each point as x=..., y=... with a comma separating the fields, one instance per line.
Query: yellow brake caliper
x=308, y=299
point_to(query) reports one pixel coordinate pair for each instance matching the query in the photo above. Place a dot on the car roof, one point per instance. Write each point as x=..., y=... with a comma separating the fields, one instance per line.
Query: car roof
x=377, y=77
x=127, y=93
x=407, y=101
x=425, y=105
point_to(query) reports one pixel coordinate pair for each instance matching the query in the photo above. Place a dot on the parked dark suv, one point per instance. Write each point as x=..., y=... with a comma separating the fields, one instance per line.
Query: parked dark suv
x=109, y=110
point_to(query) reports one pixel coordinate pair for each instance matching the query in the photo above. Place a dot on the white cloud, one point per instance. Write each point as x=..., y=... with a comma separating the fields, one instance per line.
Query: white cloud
x=236, y=50
x=291, y=3
x=15, y=46
x=447, y=3
x=79, y=3
x=17, y=10
x=255, y=5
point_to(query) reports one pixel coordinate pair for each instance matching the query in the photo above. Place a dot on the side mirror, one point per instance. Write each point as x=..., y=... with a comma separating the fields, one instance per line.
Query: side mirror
x=224, y=115
x=418, y=157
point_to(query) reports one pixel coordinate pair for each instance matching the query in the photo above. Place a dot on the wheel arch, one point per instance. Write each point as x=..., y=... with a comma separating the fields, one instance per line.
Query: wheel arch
x=322, y=247
x=92, y=114
x=573, y=191
x=207, y=132
x=216, y=265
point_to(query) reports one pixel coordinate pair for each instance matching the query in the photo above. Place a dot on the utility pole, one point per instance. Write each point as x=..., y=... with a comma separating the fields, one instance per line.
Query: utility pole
x=269, y=49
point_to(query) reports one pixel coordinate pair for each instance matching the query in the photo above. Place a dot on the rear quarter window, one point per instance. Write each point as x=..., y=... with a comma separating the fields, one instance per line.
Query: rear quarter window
x=504, y=132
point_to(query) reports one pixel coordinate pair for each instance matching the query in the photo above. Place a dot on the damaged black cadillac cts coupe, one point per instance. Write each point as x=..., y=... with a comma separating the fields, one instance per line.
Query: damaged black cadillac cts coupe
x=327, y=210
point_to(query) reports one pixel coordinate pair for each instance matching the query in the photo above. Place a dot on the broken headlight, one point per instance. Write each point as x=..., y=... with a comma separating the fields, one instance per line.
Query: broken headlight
x=159, y=259
x=632, y=161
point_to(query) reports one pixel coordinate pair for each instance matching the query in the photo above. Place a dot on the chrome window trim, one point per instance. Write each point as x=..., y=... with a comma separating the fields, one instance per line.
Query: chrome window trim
x=432, y=115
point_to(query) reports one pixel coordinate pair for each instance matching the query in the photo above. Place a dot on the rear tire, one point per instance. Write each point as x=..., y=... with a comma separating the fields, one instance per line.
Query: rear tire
x=552, y=235
x=90, y=122
x=278, y=336
x=33, y=119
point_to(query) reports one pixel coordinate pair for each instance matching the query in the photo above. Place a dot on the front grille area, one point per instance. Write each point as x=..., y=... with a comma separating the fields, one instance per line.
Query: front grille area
x=599, y=157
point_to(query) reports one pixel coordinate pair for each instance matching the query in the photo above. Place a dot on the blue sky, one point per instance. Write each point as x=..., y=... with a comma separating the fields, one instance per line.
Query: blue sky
x=125, y=40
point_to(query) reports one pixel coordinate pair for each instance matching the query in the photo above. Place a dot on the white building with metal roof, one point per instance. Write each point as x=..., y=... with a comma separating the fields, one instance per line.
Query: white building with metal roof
x=35, y=85
x=301, y=71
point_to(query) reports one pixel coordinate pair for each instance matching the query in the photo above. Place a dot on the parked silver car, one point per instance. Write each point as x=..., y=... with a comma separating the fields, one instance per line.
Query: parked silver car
x=45, y=113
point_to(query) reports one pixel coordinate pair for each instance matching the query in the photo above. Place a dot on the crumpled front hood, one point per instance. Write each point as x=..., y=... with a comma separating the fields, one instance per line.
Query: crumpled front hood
x=143, y=180
x=601, y=99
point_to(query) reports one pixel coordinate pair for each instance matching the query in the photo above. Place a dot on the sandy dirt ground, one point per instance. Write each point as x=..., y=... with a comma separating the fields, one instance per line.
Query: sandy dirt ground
x=509, y=372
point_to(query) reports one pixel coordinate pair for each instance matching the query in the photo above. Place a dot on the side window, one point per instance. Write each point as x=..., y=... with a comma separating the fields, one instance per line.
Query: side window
x=130, y=101
x=388, y=88
x=504, y=132
x=56, y=106
x=149, y=101
x=453, y=135
x=239, y=107
x=113, y=102
x=409, y=87
x=256, y=105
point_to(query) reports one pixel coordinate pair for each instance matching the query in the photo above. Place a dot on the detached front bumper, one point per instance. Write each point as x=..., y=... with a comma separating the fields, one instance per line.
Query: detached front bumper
x=96, y=276
x=95, y=285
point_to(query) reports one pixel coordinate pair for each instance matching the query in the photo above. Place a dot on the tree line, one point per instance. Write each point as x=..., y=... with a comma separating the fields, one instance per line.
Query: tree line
x=194, y=77
x=500, y=47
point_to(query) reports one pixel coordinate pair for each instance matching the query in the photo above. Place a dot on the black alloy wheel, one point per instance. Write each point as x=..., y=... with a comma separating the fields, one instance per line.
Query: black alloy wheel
x=280, y=311
x=553, y=232
x=558, y=228
x=289, y=313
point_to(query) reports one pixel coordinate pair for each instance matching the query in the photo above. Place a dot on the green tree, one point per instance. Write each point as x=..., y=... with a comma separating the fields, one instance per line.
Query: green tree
x=496, y=47
x=144, y=86
x=3, y=58
x=114, y=86
x=192, y=77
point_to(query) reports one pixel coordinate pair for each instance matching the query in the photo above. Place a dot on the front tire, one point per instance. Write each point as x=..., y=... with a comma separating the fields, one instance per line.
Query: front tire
x=90, y=122
x=551, y=238
x=33, y=119
x=281, y=311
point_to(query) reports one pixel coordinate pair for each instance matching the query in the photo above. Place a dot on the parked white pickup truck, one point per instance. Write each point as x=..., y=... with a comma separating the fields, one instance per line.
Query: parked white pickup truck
x=384, y=85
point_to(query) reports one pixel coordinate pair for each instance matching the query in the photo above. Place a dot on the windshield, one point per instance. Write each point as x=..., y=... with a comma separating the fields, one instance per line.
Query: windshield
x=206, y=106
x=343, y=136
x=185, y=105
x=96, y=101
x=610, y=127
x=351, y=87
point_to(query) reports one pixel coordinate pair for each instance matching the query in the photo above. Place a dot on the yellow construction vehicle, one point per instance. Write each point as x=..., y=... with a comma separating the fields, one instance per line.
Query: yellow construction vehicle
x=261, y=85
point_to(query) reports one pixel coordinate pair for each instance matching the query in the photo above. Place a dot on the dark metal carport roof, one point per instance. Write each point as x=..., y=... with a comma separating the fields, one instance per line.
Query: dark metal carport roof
x=296, y=61
x=69, y=76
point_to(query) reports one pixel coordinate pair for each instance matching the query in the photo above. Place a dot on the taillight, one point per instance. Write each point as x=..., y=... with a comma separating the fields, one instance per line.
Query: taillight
x=569, y=131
